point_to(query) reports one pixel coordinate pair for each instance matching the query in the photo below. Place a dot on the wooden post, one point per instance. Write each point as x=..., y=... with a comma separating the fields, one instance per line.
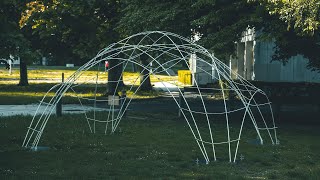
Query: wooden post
x=59, y=105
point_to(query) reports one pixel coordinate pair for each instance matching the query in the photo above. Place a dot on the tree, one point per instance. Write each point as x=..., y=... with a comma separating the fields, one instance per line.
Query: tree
x=152, y=15
x=302, y=16
x=13, y=40
x=222, y=22
x=76, y=29
x=115, y=80
x=294, y=26
x=72, y=31
x=145, y=84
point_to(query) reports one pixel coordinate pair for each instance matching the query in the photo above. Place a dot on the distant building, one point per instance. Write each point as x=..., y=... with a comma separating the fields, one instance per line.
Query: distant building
x=253, y=62
x=201, y=72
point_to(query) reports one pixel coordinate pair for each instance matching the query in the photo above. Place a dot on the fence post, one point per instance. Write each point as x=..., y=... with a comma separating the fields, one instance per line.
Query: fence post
x=59, y=105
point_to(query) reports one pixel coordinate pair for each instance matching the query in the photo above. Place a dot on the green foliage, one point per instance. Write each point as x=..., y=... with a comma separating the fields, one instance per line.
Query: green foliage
x=303, y=16
x=12, y=39
x=152, y=15
x=72, y=31
x=294, y=27
x=289, y=44
x=222, y=23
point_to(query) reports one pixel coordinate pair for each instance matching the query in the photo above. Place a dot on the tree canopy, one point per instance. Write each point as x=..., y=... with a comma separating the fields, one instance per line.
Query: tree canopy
x=300, y=15
x=222, y=22
x=12, y=40
x=74, y=31
x=294, y=26
x=150, y=15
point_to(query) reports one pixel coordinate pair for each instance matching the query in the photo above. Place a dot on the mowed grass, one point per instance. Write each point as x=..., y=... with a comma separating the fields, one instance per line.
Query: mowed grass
x=14, y=95
x=41, y=79
x=49, y=74
x=151, y=146
x=148, y=146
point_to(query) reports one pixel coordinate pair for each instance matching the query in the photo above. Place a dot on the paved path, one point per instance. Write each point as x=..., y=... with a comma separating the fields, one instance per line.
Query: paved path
x=30, y=109
x=137, y=105
x=162, y=104
x=165, y=86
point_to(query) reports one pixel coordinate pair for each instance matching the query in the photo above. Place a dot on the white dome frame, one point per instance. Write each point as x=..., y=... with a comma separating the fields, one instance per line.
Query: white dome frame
x=179, y=49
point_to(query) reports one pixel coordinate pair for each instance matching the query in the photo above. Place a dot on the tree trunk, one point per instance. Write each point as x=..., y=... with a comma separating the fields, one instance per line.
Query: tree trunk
x=23, y=74
x=115, y=80
x=145, y=83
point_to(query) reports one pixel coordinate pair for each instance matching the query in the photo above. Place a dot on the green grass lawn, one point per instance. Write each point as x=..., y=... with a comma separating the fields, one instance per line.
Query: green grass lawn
x=153, y=146
x=42, y=78
x=157, y=147
x=47, y=74
x=11, y=94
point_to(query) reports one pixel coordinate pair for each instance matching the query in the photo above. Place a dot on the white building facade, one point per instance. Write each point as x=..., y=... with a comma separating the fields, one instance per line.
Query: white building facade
x=254, y=62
